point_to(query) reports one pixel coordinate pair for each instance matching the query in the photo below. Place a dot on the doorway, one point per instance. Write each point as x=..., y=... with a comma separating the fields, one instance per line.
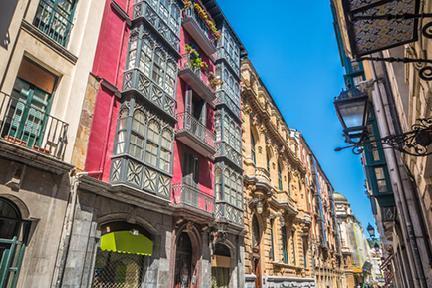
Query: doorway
x=183, y=262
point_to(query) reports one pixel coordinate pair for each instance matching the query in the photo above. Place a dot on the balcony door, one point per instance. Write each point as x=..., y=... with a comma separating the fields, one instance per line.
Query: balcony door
x=196, y=109
x=30, y=105
x=190, y=168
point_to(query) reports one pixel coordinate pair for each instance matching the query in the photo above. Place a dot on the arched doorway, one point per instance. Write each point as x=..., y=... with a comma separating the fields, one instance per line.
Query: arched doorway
x=183, y=262
x=256, y=258
x=123, y=256
x=221, y=266
x=13, y=232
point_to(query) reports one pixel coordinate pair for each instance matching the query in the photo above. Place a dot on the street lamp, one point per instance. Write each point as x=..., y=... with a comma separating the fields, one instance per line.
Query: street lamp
x=352, y=110
x=371, y=230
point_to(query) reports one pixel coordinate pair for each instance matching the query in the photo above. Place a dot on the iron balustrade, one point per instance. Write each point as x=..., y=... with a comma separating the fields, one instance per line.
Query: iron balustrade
x=191, y=13
x=186, y=194
x=26, y=125
x=54, y=21
x=187, y=123
x=165, y=27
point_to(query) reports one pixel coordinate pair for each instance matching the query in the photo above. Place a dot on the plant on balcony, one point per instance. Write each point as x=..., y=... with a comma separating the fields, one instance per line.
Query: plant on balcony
x=195, y=61
x=204, y=16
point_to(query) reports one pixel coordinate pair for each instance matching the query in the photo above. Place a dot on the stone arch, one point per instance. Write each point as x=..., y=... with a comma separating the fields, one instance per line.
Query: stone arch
x=21, y=205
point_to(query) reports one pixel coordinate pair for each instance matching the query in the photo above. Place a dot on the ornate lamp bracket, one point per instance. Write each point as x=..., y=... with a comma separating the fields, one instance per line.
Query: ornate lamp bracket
x=414, y=142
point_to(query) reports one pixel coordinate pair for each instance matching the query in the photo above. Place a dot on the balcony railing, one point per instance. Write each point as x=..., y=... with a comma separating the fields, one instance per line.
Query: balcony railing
x=28, y=126
x=199, y=30
x=225, y=211
x=190, y=196
x=170, y=32
x=134, y=79
x=190, y=128
x=198, y=78
x=54, y=21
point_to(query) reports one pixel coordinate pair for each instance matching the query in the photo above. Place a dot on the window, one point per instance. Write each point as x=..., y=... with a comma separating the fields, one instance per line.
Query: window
x=268, y=159
x=284, y=244
x=253, y=144
x=122, y=131
x=292, y=241
x=152, y=143
x=146, y=57
x=158, y=67
x=272, y=256
x=190, y=168
x=232, y=133
x=137, y=136
x=55, y=19
x=165, y=152
x=218, y=184
x=280, y=180
x=381, y=180
x=132, y=51
x=170, y=78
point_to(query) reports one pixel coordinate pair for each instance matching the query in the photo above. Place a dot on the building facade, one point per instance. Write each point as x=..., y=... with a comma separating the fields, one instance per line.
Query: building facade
x=46, y=54
x=398, y=97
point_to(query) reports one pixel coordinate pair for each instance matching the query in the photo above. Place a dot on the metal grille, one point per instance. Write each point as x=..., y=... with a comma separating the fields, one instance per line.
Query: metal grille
x=118, y=270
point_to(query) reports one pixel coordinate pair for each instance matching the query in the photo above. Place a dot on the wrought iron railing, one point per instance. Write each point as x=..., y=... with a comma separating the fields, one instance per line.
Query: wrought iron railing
x=169, y=31
x=186, y=194
x=191, y=13
x=135, y=79
x=188, y=123
x=54, y=21
x=204, y=75
x=26, y=125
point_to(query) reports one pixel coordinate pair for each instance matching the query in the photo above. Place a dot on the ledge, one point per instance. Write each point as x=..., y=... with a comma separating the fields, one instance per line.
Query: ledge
x=42, y=37
x=32, y=158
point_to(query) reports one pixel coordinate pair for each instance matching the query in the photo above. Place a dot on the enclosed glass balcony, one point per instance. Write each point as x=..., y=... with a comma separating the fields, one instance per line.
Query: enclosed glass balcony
x=164, y=17
x=224, y=150
x=226, y=212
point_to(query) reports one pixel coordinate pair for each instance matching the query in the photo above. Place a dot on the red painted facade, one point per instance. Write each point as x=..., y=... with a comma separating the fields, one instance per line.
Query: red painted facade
x=108, y=68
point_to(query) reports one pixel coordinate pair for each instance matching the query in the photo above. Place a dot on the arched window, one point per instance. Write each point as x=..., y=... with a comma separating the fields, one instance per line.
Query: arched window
x=256, y=234
x=284, y=244
x=253, y=144
x=268, y=159
x=137, y=134
x=146, y=56
x=280, y=177
x=152, y=145
x=272, y=254
x=10, y=220
x=122, y=131
x=165, y=151
x=158, y=67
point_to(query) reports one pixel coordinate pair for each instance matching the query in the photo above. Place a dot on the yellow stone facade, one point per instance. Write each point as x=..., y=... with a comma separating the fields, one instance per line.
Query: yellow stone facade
x=278, y=202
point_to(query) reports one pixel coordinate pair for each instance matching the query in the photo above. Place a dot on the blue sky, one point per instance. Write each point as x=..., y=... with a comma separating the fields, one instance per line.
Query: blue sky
x=293, y=47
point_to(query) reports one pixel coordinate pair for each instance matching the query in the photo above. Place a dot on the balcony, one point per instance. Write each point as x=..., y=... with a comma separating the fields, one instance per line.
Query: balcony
x=197, y=78
x=198, y=30
x=127, y=171
x=27, y=126
x=224, y=150
x=227, y=212
x=194, y=134
x=168, y=30
x=135, y=80
x=54, y=21
x=189, y=197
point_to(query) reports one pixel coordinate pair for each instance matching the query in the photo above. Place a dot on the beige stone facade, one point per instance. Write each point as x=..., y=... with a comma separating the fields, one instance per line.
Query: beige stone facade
x=288, y=240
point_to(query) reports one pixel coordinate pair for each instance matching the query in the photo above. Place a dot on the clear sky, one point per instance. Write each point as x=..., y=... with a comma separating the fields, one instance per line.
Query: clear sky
x=293, y=47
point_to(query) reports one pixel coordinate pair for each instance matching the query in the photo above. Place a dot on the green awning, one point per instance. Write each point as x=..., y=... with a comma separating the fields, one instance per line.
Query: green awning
x=126, y=242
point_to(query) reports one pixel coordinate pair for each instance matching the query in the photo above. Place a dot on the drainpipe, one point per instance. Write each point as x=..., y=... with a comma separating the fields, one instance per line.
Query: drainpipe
x=401, y=198
x=68, y=225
